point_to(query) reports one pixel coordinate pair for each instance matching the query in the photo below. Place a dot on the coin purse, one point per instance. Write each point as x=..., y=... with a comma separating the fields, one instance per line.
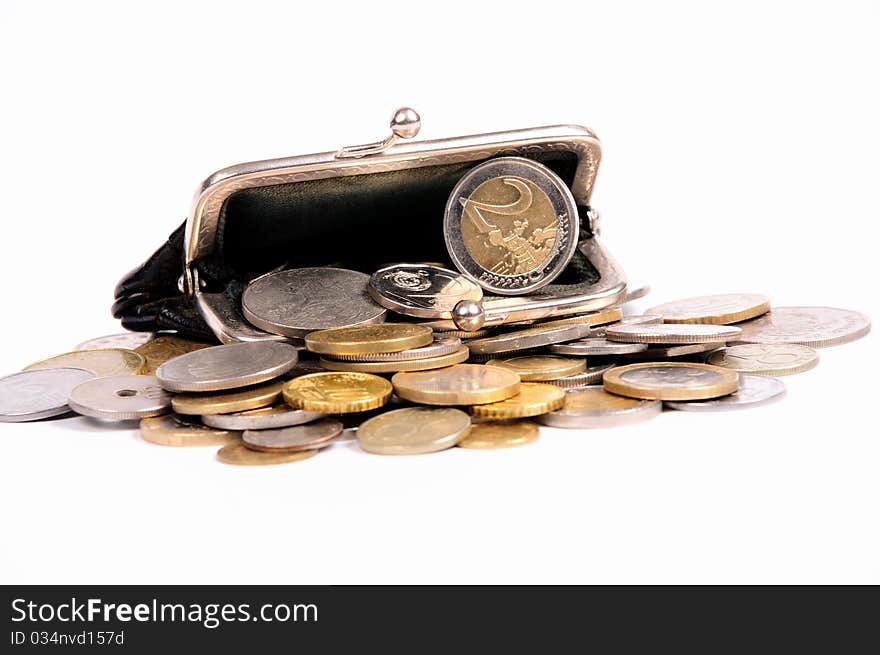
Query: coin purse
x=361, y=207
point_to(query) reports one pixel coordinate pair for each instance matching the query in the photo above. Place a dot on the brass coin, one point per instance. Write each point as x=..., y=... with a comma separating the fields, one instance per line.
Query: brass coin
x=229, y=402
x=533, y=399
x=670, y=381
x=174, y=430
x=393, y=366
x=238, y=454
x=536, y=368
x=290, y=439
x=719, y=309
x=373, y=338
x=413, y=431
x=462, y=384
x=337, y=392
x=103, y=362
x=766, y=358
x=464, y=334
x=164, y=347
x=500, y=434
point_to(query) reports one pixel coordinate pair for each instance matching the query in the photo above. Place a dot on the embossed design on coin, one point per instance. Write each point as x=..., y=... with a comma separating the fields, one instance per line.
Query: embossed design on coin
x=38, y=394
x=671, y=333
x=593, y=407
x=120, y=398
x=766, y=358
x=102, y=362
x=301, y=300
x=165, y=347
x=317, y=434
x=462, y=384
x=533, y=399
x=422, y=290
x=511, y=225
x=413, y=431
x=492, y=435
x=754, y=390
x=718, y=309
x=240, y=455
x=670, y=381
x=229, y=366
x=126, y=340
x=337, y=393
x=817, y=327
x=175, y=430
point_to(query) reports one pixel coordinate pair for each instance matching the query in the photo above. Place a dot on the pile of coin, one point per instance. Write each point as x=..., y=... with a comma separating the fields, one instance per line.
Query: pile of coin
x=381, y=359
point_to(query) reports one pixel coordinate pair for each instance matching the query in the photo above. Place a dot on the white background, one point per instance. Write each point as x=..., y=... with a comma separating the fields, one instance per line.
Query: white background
x=741, y=154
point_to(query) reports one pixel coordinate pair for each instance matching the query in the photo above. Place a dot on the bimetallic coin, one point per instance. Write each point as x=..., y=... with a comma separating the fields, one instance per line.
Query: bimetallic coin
x=462, y=384
x=596, y=346
x=533, y=399
x=165, y=347
x=366, y=339
x=441, y=345
x=265, y=418
x=229, y=401
x=817, y=327
x=102, y=362
x=766, y=358
x=174, y=430
x=670, y=381
x=392, y=366
x=593, y=407
x=240, y=455
x=413, y=431
x=38, y=394
x=125, y=340
x=337, y=393
x=120, y=398
x=229, y=366
x=422, y=290
x=500, y=434
x=672, y=333
x=636, y=319
x=298, y=437
x=511, y=225
x=665, y=352
x=536, y=368
x=720, y=309
x=528, y=338
x=298, y=301
x=754, y=390
x=593, y=375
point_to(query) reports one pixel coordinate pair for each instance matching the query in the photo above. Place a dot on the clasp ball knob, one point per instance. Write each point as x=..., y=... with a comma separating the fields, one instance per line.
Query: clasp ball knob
x=405, y=123
x=468, y=315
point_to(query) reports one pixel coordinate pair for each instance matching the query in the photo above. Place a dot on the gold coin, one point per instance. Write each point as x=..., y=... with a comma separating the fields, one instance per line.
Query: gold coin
x=164, y=347
x=375, y=338
x=464, y=334
x=337, y=392
x=413, y=431
x=670, y=381
x=766, y=358
x=720, y=309
x=240, y=400
x=602, y=317
x=462, y=384
x=174, y=430
x=533, y=399
x=500, y=434
x=402, y=365
x=535, y=368
x=237, y=454
x=103, y=362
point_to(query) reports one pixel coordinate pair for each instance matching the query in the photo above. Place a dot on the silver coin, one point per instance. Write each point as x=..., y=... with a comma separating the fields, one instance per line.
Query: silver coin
x=441, y=346
x=666, y=352
x=422, y=290
x=593, y=407
x=41, y=393
x=120, y=398
x=637, y=319
x=291, y=439
x=229, y=366
x=636, y=290
x=596, y=346
x=126, y=340
x=511, y=225
x=754, y=390
x=269, y=418
x=809, y=326
x=528, y=338
x=301, y=300
x=591, y=376
x=672, y=333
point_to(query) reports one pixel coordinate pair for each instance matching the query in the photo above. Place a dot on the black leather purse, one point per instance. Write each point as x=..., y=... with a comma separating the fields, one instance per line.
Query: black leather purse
x=360, y=207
